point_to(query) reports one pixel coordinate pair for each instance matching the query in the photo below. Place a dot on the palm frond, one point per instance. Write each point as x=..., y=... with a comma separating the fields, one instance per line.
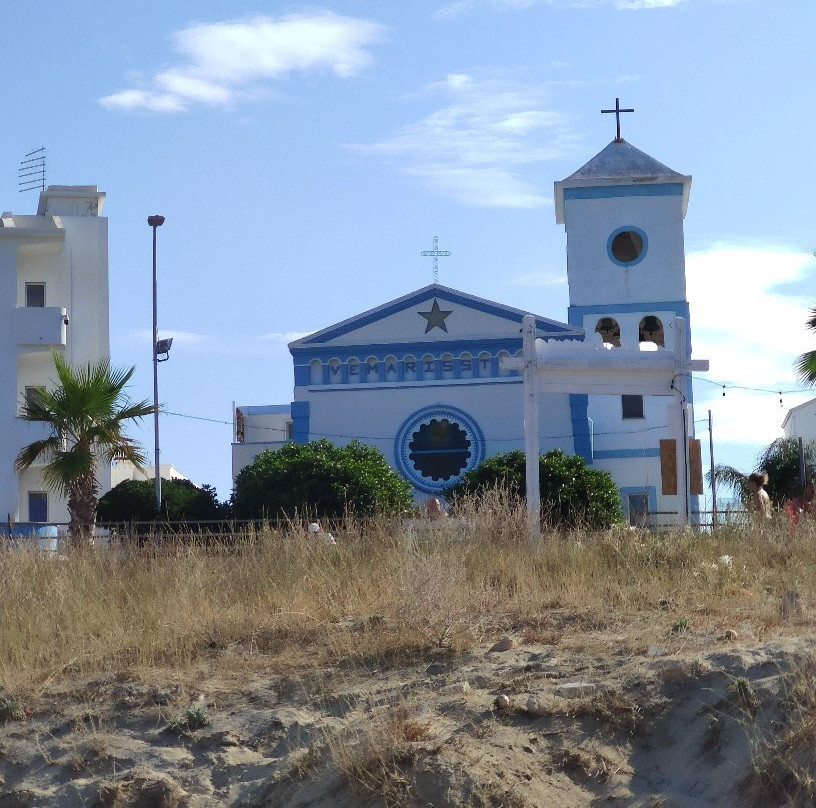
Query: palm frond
x=806, y=368
x=731, y=478
x=87, y=412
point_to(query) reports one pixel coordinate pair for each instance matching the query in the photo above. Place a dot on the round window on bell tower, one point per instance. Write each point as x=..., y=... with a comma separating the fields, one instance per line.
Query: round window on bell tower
x=627, y=246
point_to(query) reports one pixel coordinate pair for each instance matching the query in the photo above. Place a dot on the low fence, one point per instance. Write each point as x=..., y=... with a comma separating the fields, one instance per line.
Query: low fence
x=49, y=536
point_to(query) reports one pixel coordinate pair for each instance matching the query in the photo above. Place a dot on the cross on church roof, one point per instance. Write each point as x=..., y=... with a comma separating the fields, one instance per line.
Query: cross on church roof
x=617, y=112
x=435, y=253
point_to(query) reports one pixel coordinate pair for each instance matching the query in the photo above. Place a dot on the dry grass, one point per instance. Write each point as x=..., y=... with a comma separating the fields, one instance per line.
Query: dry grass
x=373, y=759
x=785, y=766
x=384, y=593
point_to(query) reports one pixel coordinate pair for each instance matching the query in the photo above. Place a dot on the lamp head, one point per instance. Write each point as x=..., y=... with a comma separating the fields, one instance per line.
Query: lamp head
x=155, y=221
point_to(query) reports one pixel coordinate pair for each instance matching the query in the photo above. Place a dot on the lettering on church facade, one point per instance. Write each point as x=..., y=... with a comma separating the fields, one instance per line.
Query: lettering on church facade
x=390, y=369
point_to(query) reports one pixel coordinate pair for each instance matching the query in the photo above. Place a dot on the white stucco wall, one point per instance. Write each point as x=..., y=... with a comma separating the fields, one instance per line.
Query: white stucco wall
x=594, y=279
x=64, y=246
x=801, y=421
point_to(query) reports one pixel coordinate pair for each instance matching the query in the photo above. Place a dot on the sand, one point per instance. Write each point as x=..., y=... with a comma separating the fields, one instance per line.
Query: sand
x=555, y=721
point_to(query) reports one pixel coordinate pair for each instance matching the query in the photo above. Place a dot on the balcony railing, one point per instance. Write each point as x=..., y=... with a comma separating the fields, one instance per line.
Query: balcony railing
x=44, y=327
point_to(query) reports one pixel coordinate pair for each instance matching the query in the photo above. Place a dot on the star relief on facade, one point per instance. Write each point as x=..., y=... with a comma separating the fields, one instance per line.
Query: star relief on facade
x=435, y=317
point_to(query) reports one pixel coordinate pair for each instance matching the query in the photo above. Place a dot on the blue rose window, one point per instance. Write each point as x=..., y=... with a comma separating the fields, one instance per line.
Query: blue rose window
x=439, y=449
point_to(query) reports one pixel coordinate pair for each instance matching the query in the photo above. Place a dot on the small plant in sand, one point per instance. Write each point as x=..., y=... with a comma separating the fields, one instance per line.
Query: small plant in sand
x=745, y=695
x=11, y=709
x=193, y=718
x=373, y=758
x=681, y=625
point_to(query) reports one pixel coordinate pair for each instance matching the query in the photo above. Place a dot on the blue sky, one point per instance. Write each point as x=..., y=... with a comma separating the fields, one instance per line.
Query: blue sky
x=304, y=155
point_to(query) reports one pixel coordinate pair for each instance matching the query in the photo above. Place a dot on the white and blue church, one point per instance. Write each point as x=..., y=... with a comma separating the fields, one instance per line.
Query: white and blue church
x=426, y=378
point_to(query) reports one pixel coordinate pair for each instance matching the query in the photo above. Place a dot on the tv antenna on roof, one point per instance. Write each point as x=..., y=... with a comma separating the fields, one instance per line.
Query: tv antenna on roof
x=31, y=174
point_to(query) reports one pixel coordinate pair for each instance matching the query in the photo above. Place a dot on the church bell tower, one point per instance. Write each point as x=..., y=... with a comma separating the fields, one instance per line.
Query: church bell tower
x=623, y=213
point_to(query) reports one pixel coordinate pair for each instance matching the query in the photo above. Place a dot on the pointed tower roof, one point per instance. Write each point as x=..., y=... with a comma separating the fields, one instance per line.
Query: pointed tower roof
x=620, y=163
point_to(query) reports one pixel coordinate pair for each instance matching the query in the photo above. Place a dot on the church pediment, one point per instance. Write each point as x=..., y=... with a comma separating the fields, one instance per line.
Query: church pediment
x=430, y=315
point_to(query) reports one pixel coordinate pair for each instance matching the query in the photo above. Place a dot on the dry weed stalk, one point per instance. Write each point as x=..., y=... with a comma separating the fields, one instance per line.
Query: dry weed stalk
x=785, y=763
x=373, y=757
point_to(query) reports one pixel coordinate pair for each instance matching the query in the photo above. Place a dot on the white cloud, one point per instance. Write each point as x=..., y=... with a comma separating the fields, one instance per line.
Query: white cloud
x=459, y=8
x=636, y=5
x=751, y=332
x=541, y=278
x=155, y=102
x=220, y=60
x=473, y=147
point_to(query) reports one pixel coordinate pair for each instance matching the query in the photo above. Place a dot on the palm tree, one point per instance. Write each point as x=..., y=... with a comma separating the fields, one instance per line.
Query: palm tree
x=86, y=414
x=780, y=460
x=806, y=363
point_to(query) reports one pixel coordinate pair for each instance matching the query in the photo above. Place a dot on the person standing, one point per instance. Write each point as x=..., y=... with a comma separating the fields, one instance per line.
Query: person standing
x=759, y=503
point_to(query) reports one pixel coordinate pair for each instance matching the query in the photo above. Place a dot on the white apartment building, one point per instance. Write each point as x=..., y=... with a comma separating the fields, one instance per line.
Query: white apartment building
x=53, y=296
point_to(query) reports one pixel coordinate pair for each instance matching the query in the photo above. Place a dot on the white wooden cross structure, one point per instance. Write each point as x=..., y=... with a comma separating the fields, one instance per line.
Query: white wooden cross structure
x=571, y=366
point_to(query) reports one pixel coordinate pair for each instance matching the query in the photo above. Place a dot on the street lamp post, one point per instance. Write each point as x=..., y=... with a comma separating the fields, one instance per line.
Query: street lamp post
x=155, y=222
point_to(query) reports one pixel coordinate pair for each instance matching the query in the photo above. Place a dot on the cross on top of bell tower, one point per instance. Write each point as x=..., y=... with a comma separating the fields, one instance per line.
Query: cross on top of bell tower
x=617, y=112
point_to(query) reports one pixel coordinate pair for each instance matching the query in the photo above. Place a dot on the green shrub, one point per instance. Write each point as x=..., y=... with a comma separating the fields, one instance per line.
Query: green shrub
x=572, y=493
x=319, y=479
x=135, y=501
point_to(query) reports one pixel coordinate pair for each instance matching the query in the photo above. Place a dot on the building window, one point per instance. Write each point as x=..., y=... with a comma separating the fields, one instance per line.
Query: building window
x=632, y=406
x=609, y=330
x=639, y=510
x=651, y=330
x=627, y=246
x=354, y=370
x=440, y=449
x=315, y=372
x=466, y=366
x=436, y=445
x=35, y=295
x=33, y=393
x=37, y=506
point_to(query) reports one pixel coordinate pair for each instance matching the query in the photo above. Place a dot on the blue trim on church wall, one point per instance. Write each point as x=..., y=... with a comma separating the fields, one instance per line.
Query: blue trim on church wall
x=611, y=191
x=608, y=454
x=575, y=314
x=438, y=384
x=504, y=312
x=581, y=433
x=303, y=357
x=300, y=421
x=436, y=348
x=265, y=409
